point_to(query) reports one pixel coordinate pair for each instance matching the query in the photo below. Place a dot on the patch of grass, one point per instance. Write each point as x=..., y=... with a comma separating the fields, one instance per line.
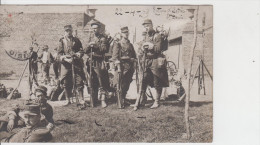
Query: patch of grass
x=165, y=124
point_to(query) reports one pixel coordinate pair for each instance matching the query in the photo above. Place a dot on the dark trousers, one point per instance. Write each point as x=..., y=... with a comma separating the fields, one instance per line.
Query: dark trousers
x=56, y=69
x=46, y=71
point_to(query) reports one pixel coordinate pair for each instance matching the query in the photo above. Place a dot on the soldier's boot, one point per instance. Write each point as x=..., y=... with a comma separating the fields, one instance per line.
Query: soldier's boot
x=142, y=101
x=102, y=97
x=67, y=95
x=103, y=101
x=157, y=98
x=123, y=101
x=81, y=96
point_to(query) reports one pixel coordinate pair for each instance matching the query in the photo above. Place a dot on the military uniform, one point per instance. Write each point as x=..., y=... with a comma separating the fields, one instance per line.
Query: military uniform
x=100, y=78
x=155, y=72
x=31, y=133
x=33, y=68
x=124, y=55
x=13, y=114
x=56, y=65
x=68, y=46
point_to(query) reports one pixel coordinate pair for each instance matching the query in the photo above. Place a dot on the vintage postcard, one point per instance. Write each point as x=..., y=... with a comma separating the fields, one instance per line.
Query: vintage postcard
x=106, y=73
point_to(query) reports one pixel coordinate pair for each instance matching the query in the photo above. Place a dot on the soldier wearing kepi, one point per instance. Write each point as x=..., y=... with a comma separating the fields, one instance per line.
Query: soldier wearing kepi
x=155, y=72
x=96, y=48
x=12, y=120
x=35, y=130
x=70, y=51
x=123, y=57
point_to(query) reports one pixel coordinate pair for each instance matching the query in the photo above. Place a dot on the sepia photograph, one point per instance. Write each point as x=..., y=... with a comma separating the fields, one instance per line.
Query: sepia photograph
x=106, y=73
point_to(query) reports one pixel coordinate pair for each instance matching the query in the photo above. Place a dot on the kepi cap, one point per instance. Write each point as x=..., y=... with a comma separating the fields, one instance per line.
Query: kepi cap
x=147, y=21
x=42, y=89
x=94, y=22
x=124, y=29
x=67, y=27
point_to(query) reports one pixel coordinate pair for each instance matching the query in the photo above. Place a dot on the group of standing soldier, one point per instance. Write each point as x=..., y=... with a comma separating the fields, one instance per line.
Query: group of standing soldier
x=123, y=63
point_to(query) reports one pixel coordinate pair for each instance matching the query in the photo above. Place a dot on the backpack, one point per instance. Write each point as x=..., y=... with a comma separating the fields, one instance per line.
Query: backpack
x=165, y=43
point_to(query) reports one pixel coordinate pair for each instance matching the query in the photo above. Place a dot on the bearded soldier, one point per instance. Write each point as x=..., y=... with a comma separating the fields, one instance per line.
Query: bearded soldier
x=155, y=72
x=70, y=51
x=96, y=48
x=123, y=57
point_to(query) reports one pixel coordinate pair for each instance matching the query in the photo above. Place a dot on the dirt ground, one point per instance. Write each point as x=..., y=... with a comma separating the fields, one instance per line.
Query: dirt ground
x=165, y=124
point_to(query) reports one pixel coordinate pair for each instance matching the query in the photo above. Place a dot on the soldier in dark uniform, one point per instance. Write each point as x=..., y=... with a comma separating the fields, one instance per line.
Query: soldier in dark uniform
x=124, y=55
x=70, y=51
x=99, y=45
x=33, y=68
x=35, y=130
x=56, y=64
x=155, y=73
x=12, y=120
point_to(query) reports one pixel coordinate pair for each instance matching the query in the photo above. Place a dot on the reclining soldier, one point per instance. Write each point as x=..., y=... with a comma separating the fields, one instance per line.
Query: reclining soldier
x=35, y=130
x=12, y=120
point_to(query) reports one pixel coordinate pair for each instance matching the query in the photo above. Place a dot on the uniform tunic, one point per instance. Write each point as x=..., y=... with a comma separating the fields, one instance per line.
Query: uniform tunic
x=35, y=134
x=69, y=46
x=46, y=110
x=100, y=72
x=123, y=51
x=156, y=72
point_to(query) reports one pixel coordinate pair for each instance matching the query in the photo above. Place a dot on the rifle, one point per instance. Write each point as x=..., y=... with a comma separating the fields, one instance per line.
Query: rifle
x=90, y=85
x=119, y=87
x=136, y=75
x=166, y=36
x=74, y=82
x=139, y=97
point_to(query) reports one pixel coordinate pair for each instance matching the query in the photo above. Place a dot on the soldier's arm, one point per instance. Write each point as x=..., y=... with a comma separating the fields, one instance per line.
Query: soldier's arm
x=104, y=45
x=13, y=113
x=61, y=47
x=81, y=51
x=52, y=58
x=133, y=55
x=60, y=50
x=40, y=56
x=48, y=113
x=115, y=51
x=157, y=43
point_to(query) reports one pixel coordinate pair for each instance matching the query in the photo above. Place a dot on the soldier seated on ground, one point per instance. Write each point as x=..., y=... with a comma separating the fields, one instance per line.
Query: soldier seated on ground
x=35, y=130
x=12, y=119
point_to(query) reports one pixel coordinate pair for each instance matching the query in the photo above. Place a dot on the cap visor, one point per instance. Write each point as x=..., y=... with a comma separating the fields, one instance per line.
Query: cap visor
x=21, y=114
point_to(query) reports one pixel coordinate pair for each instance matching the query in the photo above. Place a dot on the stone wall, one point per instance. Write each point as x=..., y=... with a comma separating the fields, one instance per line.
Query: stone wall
x=47, y=28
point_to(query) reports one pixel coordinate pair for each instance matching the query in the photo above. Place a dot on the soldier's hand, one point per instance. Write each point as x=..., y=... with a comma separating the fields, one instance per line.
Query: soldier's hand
x=92, y=44
x=10, y=125
x=50, y=126
x=62, y=57
x=68, y=60
x=133, y=60
x=112, y=71
x=79, y=55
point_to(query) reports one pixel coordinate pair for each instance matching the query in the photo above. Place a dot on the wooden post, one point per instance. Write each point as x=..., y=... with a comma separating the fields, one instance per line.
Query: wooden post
x=203, y=78
x=199, y=79
x=179, y=56
x=187, y=100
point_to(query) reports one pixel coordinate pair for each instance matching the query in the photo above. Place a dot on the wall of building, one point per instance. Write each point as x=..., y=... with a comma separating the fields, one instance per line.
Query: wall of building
x=47, y=28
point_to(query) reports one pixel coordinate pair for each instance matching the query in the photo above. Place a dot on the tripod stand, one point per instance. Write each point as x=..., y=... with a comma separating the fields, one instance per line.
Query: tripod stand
x=201, y=76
